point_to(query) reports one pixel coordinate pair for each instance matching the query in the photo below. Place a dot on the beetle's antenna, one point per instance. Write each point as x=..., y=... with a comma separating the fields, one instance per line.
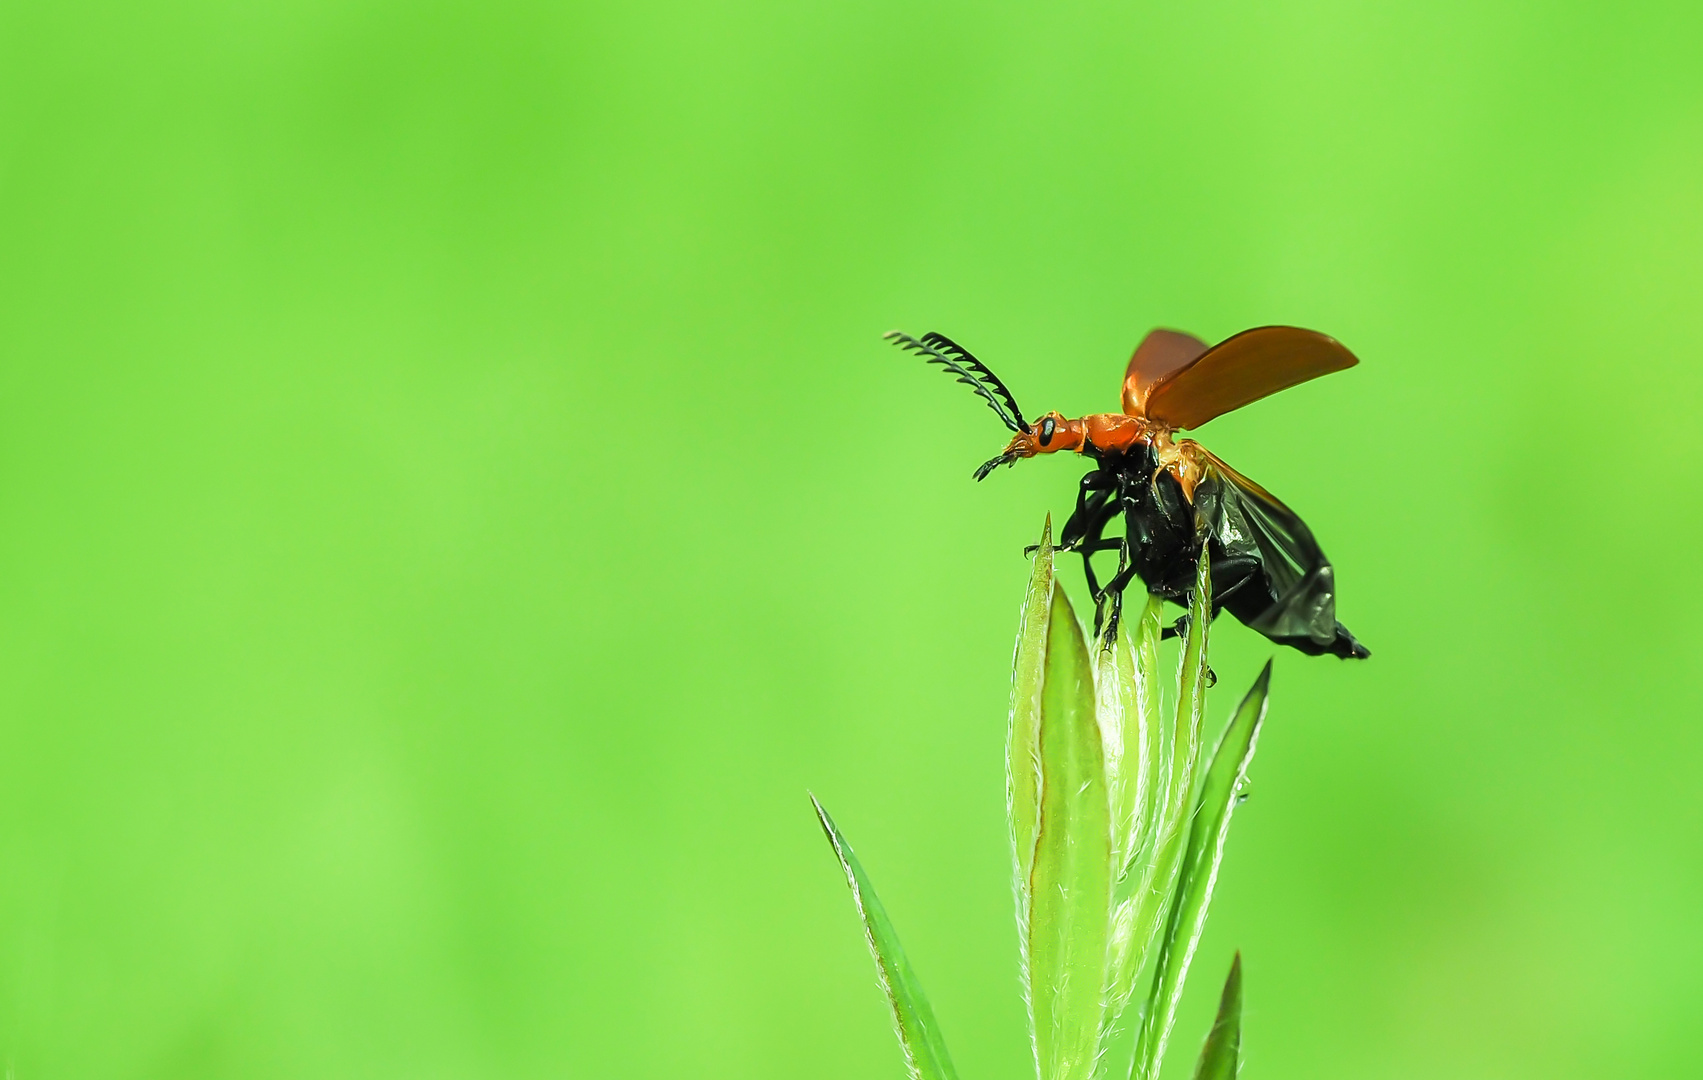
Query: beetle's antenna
x=940, y=349
x=952, y=348
x=1007, y=458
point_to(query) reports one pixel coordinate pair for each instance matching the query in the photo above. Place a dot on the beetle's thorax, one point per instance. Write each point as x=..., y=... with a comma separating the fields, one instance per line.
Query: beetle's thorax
x=1181, y=458
x=1116, y=433
x=1112, y=434
x=1105, y=435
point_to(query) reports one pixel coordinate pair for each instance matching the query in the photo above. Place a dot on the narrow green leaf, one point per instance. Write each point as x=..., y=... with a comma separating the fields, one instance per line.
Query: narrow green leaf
x=1127, y=692
x=1147, y=702
x=919, y=1033
x=1221, y=1057
x=1146, y=893
x=1023, y=766
x=1191, y=691
x=1219, y=789
x=1070, y=883
x=1119, y=715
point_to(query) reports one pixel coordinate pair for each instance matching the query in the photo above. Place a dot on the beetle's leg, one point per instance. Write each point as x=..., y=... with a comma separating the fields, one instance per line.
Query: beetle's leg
x=1126, y=560
x=1094, y=542
x=1087, y=520
x=1104, y=486
x=1234, y=573
x=1105, y=543
x=1178, y=629
x=1082, y=520
x=1135, y=535
x=1114, y=600
x=1090, y=542
x=1087, y=550
x=1084, y=532
x=1126, y=574
x=1114, y=590
x=1085, y=526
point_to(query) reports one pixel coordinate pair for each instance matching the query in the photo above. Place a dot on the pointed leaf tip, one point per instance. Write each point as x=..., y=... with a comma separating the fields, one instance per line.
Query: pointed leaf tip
x=1220, y=1058
x=1070, y=879
x=1023, y=780
x=913, y=1019
x=1208, y=832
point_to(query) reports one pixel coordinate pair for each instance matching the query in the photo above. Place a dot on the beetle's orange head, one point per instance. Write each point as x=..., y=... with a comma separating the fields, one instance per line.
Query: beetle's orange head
x=1050, y=434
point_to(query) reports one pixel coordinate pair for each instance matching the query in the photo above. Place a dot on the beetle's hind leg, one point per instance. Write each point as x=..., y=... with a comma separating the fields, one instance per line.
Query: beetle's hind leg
x=1115, y=602
x=1088, y=551
x=1113, y=594
x=1181, y=628
x=1126, y=558
x=1092, y=543
x=1229, y=576
x=1084, y=533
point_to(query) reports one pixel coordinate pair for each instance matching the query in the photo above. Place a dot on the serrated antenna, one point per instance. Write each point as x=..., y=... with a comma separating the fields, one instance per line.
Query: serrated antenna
x=939, y=349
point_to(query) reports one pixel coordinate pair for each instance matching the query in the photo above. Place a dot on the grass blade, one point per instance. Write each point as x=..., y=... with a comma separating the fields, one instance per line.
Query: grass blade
x=1127, y=688
x=1191, y=693
x=1119, y=718
x=1151, y=881
x=1153, y=758
x=1221, y=1057
x=919, y=1033
x=1211, y=826
x=1023, y=746
x=1126, y=692
x=1070, y=881
x=1023, y=750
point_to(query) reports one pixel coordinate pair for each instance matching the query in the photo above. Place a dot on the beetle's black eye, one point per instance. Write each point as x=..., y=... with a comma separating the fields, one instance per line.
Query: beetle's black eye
x=1046, y=431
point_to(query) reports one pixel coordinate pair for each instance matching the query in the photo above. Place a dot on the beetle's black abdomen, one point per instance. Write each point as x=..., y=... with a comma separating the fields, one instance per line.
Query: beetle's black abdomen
x=1252, y=601
x=1266, y=567
x=1160, y=523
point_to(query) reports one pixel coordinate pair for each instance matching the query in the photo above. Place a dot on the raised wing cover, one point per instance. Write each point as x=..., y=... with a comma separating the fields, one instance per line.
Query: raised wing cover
x=1242, y=369
x=1161, y=354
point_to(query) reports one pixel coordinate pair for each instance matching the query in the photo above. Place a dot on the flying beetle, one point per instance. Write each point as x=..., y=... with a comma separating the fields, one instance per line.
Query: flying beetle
x=1175, y=495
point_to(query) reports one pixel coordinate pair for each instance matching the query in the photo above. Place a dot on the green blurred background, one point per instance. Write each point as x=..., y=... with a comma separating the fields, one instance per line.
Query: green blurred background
x=454, y=501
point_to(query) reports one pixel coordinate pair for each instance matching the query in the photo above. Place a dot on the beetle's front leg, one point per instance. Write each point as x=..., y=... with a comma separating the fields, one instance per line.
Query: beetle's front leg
x=1092, y=542
x=1092, y=494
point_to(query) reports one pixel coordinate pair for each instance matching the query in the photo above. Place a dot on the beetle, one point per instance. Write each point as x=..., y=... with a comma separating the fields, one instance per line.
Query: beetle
x=1173, y=494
